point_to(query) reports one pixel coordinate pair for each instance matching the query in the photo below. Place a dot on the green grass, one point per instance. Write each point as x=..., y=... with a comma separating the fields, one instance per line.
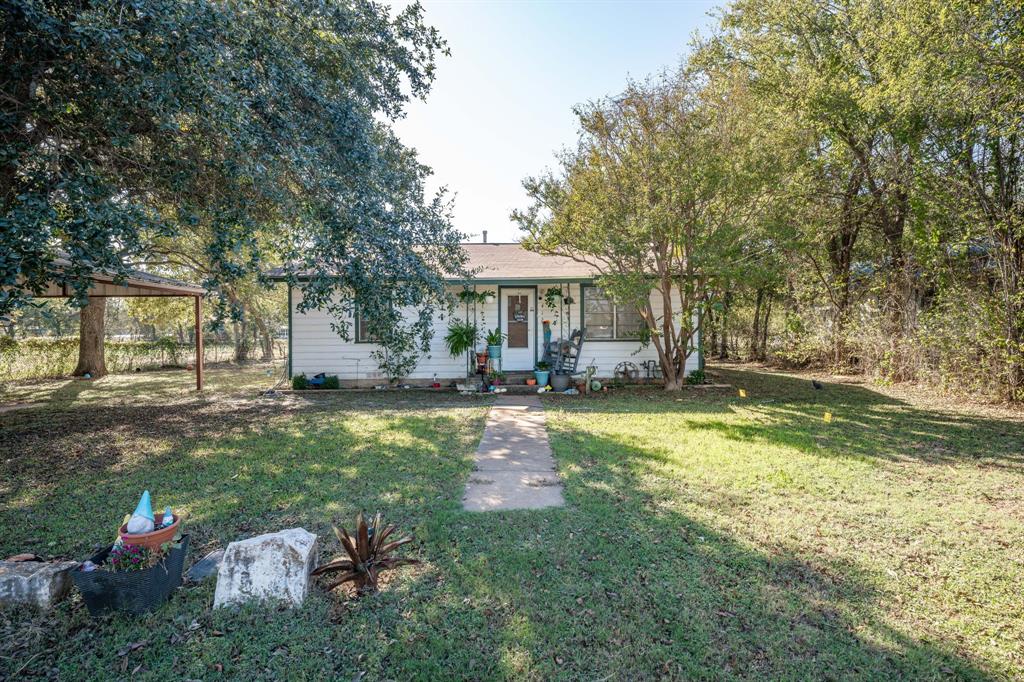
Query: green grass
x=706, y=536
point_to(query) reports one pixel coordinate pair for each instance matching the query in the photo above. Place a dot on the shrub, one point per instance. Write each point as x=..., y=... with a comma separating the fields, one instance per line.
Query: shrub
x=368, y=553
x=332, y=382
x=300, y=382
x=695, y=378
x=45, y=357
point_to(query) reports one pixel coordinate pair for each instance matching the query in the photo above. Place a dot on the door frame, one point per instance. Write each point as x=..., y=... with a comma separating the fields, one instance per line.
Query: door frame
x=536, y=316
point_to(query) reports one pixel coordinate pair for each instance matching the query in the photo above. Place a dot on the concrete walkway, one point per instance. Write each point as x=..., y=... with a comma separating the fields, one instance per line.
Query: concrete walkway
x=514, y=468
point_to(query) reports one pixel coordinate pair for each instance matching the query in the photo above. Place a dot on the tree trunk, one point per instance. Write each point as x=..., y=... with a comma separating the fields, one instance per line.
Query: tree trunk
x=90, y=339
x=241, y=341
x=711, y=324
x=723, y=352
x=755, y=331
x=766, y=318
x=266, y=340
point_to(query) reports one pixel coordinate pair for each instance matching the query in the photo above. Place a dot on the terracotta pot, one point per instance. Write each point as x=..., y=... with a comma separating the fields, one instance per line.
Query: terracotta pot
x=531, y=382
x=156, y=538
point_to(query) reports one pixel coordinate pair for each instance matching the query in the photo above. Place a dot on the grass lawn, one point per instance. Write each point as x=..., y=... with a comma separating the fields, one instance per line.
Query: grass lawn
x=706, y=535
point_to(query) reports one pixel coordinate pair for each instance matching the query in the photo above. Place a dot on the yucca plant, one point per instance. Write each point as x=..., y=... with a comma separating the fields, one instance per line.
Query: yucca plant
x=368, y=555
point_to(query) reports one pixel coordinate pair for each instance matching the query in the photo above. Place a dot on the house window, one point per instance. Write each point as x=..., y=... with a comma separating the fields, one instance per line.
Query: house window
x=363, y=334
x=603, y=319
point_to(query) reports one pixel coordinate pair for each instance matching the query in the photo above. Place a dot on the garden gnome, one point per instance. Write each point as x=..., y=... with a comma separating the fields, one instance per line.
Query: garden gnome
x=142, y=518
x=168, y=517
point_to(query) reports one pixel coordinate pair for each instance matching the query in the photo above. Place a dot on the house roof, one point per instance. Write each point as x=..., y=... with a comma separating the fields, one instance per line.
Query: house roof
x=499, y=263
x=512, y=262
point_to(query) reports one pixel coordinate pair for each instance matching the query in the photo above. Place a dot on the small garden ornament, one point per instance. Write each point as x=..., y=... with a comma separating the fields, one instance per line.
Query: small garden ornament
x=142, y=518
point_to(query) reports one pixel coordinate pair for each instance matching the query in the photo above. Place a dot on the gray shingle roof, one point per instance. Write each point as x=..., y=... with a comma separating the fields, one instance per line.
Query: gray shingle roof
x=510, y=262
x=513, y=262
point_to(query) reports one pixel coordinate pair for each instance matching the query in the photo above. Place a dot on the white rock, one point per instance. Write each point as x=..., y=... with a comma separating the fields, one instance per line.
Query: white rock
x=34, y=583
x=274, y=566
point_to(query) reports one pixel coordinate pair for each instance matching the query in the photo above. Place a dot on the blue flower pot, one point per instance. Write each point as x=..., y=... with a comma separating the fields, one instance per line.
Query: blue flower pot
x=494, y=352
x=541, y=376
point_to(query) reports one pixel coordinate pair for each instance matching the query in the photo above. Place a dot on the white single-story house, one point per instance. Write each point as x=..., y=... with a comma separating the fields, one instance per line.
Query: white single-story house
x=519, y=281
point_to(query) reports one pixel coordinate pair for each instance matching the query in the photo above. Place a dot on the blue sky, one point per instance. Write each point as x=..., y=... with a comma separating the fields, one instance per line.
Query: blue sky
x=501, y=105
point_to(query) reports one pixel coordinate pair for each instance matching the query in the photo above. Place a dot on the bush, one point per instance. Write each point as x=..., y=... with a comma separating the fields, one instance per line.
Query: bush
x=695, y=378
x=46, y=357
x=300, y=382
x=331, y=382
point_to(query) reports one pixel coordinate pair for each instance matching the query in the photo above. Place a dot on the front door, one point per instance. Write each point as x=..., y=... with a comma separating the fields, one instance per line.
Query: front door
x=517, y=322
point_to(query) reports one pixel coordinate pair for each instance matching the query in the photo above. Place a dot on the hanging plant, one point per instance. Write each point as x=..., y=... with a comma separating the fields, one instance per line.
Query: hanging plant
x=552, y=298
x=461, y=338
x=468, y=296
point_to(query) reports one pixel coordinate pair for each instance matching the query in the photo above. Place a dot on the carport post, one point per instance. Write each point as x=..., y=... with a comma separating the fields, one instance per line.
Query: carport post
x=199, y=343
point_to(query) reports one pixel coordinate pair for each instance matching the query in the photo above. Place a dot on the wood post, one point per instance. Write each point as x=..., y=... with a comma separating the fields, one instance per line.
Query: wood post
x=199, y=343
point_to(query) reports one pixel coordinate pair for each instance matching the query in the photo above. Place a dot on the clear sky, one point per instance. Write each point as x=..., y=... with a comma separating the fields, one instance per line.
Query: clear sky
x=501, y=105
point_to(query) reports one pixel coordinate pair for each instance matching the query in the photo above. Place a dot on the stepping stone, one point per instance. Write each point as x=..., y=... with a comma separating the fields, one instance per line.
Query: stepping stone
x=271, y=567
x=34, y=583
x=206, y=567
x=513, y=467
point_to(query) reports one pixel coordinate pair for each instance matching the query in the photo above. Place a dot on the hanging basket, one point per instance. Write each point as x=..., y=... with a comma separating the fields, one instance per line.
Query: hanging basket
x=134, y=592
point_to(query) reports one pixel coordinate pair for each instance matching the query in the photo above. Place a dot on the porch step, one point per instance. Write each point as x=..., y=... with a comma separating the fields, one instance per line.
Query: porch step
x=519, y=389
x=518, y=377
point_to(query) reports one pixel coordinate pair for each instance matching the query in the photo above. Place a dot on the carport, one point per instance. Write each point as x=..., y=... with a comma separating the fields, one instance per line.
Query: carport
x=139, y=284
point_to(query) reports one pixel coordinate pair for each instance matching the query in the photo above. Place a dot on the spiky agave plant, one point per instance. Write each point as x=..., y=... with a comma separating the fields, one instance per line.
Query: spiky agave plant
x=369, y=554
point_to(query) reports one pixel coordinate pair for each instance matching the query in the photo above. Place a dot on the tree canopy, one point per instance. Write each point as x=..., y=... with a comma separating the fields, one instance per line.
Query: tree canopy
x=662, y=193
x=258, y=132
x=860, y=163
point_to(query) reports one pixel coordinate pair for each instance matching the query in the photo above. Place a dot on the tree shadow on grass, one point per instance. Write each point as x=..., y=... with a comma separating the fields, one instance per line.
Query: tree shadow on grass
x=52, y=443
x=235, y=471
x=618, y=585
x=253, y=472
x=652, y=592
x=865, y=424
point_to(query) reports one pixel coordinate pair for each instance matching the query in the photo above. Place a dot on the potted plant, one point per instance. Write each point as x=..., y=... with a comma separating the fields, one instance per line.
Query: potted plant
x=496, y=376
x=461, y=339
x=131, y=578
x=542, y=372
x=560, y=382
x=494, y=340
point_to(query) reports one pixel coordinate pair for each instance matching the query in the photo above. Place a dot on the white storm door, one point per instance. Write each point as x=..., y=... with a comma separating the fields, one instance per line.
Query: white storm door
x=518, y=310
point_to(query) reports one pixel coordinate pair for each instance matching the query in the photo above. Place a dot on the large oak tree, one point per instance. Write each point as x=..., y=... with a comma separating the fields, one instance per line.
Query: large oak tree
x=261, y=127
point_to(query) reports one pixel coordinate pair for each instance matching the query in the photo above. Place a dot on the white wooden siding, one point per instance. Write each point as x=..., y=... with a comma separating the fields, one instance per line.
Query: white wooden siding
x=315, y=347
x=605, y=355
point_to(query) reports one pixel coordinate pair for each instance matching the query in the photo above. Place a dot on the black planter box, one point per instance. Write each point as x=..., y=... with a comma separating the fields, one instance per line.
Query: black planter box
x=134, y=592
